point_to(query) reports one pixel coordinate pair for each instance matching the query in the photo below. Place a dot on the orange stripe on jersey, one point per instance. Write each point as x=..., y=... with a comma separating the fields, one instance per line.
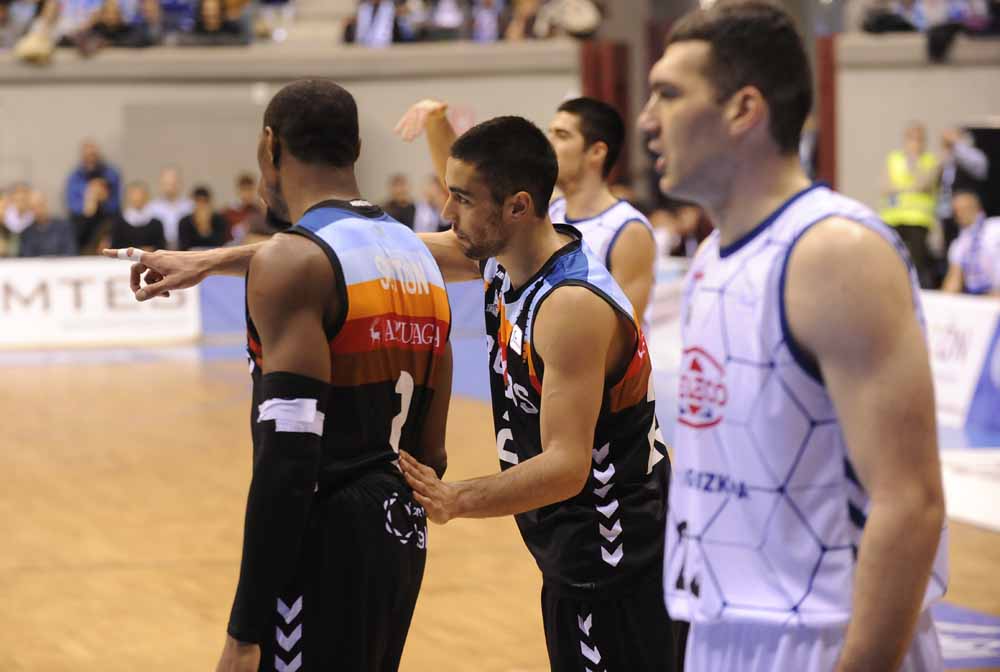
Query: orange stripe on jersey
x=634, y=386
x=391, y=331
x=371, y=298
x=532, y=374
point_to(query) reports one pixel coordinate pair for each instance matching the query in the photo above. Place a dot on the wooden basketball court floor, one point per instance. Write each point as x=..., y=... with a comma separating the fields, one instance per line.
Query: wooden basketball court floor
x=121, y=518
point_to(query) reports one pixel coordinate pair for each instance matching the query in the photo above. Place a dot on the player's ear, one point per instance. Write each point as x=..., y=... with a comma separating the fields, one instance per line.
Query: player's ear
x=521, y=204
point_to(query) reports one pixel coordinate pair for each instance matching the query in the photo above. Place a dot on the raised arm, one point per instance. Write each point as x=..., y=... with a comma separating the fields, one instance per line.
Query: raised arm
x=431, y=116
x=850, y=304
x=572, y=334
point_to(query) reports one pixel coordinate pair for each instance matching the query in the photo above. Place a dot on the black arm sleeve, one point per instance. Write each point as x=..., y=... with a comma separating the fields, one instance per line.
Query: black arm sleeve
x=288, y=444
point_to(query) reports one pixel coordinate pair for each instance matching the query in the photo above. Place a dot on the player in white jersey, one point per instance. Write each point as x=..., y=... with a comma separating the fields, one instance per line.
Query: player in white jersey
x=806, y=510
x=587, y=136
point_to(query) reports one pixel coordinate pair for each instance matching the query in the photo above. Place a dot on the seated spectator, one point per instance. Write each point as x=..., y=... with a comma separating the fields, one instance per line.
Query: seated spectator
x=18, y=214
x=171, y=206
x=485, y=20
x=246, y=213
x=15, y=19
x=400, y=204
x=446, y=20
x=177, y=17
x=524, y=24
x=378, y=23
x=127, y=23
x=427, y=215
x=47, y=236
x=137, y=226
x=104, y=198
x=93, y=227
x=218, y=24
x=974, y=257
x=203, y=227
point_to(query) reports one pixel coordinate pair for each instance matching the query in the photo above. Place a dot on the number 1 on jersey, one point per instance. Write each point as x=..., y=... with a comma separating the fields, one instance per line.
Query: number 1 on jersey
x=404, y=388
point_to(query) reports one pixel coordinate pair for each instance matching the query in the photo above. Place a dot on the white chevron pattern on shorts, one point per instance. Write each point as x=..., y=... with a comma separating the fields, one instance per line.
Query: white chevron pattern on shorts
x=613, y=558
x=606, y=475
x=602, y=454
x=289, y=613
x=293, y=666
x=291, y=640
x=591, y=654
x=603, y=491
x=613, y=533
x=584, y=623
x=608, y=509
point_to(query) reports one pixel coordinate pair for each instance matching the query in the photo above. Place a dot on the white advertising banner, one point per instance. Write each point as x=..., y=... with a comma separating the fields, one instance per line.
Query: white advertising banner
x=959, y=330
x=86, y=301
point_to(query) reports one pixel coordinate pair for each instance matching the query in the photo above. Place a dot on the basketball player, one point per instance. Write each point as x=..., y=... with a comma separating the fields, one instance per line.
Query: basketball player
x=348, y=326
x=587, y=136
x=582, y=466
x=806, y=512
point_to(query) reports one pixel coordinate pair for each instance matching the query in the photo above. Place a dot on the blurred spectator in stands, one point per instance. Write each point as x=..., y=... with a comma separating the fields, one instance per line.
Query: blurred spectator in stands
x=219, y=24
x=910, y=182
x=171, y=206
x=974, y=257
x=963, y=168
x=427, y=214
x=38, y=45
x=245, y=213
x=105, y=199
x=895, y=16
x=273, y=19
x=485, y=20
x=203, y=227
x=400, y=205
x=47, y=236
x=177, y=17
x=446, y=20
x=15, y=19
x=127, y=23
x=18, y=214
x=678, y=228
x=524, y=24
x=93, y=226
x=378, y=23
x=137, y=226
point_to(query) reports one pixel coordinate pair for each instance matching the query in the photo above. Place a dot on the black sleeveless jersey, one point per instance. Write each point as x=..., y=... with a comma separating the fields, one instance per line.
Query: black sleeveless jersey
x=613, y=530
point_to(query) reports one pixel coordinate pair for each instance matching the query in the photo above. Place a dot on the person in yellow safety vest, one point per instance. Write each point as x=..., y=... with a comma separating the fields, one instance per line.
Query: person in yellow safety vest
x=911, y=181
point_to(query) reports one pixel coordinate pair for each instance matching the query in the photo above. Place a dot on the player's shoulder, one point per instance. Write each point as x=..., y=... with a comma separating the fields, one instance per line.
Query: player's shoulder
x=568, y=319
x=290, y=266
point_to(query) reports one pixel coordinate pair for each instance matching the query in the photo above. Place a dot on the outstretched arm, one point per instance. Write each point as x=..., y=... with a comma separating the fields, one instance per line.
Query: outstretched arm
x=850, y=304
x=572, y=334
x=164, y=270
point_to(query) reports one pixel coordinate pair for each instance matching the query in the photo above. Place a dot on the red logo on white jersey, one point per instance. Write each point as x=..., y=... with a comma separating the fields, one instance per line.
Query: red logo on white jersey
x=702, y=396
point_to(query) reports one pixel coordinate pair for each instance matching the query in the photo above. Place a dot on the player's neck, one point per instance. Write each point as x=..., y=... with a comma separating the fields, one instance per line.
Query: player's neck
x=527, y=253
x=587, y=197
x=305, y=188
x=754, y=194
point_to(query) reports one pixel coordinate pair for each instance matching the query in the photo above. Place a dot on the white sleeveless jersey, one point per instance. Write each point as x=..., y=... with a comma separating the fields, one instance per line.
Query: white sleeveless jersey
x=601, y=232
x=766, y=512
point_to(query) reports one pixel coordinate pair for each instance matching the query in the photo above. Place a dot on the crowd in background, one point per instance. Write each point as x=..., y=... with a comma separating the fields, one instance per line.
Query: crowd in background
x=934, y=202
x=933, y=199
x=101, y=211
x=379, y=23
x=33, y=28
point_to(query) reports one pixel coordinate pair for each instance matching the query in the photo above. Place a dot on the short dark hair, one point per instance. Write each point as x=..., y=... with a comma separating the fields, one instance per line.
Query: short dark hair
x=201, y=191
x=317, y=121
x=755, y=43
x=512, y=155
x=599, y=122
x=246, y=180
